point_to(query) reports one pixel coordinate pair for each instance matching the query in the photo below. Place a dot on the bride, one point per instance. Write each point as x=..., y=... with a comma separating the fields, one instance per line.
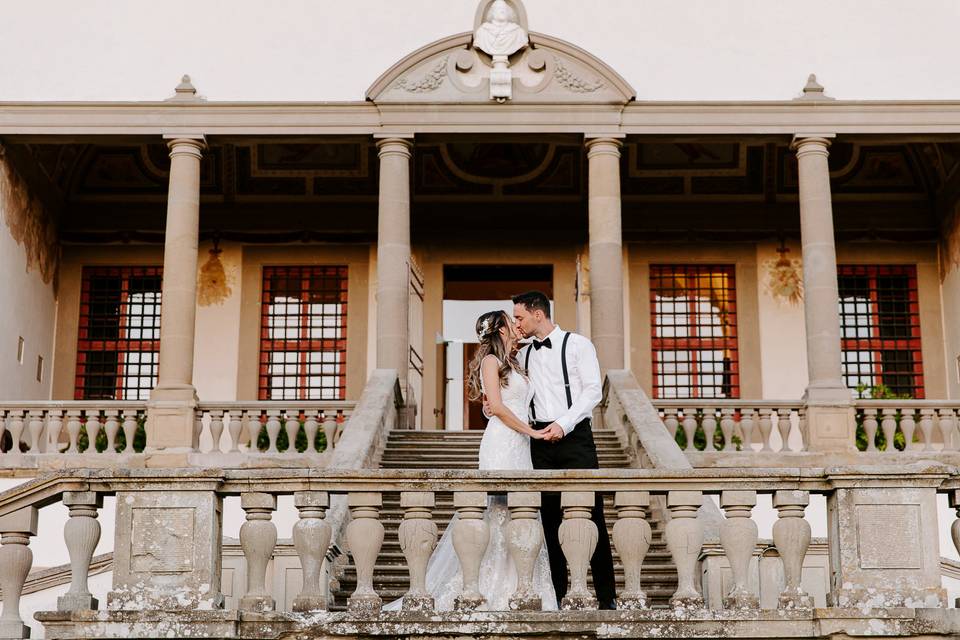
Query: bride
x=496, y=373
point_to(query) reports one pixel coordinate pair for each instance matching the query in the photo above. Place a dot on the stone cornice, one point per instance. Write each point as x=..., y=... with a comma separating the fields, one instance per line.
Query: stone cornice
x=94, y=119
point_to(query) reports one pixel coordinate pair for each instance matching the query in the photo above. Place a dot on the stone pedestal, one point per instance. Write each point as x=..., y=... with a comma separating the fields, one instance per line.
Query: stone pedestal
x=167, y=551
x=884, y=546
x=16, y=529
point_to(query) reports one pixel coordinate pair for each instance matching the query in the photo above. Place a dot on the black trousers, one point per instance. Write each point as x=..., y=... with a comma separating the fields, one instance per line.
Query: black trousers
x=575, y=451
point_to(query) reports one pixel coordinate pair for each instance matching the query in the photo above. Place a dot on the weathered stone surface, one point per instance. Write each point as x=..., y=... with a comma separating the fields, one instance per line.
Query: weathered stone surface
x=167, y=550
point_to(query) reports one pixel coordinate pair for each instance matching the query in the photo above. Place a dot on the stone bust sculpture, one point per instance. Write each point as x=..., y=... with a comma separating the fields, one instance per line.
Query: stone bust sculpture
x=500, y=35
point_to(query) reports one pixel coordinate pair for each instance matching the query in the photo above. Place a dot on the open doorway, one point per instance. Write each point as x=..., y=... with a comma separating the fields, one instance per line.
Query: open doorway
x=469, y=291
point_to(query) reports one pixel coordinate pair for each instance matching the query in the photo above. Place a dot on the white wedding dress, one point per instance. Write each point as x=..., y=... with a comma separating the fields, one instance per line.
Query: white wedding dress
x=501, y=449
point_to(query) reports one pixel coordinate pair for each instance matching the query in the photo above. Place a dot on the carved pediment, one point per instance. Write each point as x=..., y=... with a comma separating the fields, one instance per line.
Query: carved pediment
x=457, y=69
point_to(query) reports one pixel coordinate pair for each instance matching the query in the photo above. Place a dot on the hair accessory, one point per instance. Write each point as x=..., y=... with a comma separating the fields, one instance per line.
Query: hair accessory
x=485, y=328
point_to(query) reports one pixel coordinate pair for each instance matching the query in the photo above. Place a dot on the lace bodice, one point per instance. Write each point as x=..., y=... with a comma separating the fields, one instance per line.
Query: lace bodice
x=502, y=448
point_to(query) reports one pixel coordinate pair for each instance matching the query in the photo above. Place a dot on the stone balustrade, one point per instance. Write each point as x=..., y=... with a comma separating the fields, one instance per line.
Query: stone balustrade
x=35, y=436
x=745, y=426
x=271, y=427
x=168, y=546
x=88, y=428
x=891, y=426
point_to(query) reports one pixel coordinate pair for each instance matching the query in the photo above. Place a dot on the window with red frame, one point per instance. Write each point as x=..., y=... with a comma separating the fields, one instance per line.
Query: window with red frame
x=880, y=328
x=694, y=326
x=118, y=340
x=303, y=333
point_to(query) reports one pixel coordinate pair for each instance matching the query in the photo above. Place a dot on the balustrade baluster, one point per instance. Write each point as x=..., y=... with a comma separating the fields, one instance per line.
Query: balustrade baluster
x=216, y=430
x=783, y=427
x=258, y=537
x=129, y=430
x=418, y=537
x=709, y=428
x=727, y=428
x=791, y=536
x=364, y=538
x=524, y=539
x=111, y=426
x=93, y=430
x=292, y=427
x=690, y=428
x=310, y=431
x=908, y=425
x=273, y=430
x=578, y=539
x=948, y=427
x=197, y=428
x=235, y=429
x=738, y=535
x=747, y=420
x=81, y=533
x=15, y=427
x=73, y=431
x=632, y=536
x=870, y=428
x=16, y=528
x=311, y=538
x=35, y=429
x=54, y=427
x=802, y=426
x=329, y=430
x=766, y=428
x=926, y=428
x=251, y=419
x=671, y=422
x=888, y=425
x=471, y=535
x=684, y=535
x=3, y=428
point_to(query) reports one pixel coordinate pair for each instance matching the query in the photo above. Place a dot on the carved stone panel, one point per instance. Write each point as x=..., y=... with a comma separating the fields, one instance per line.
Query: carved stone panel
x=887, y=536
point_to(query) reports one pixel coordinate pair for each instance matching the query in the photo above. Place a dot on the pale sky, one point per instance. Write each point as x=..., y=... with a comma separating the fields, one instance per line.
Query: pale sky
x=318, y=50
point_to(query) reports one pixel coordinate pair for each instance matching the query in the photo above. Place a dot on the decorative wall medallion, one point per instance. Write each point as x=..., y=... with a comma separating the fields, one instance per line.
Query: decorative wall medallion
x=500, y=36
x=784, y=278
x=572, y=82
x=430, y=82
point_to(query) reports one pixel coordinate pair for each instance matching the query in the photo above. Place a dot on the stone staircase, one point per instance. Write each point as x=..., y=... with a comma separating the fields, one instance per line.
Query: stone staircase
x=459, y=450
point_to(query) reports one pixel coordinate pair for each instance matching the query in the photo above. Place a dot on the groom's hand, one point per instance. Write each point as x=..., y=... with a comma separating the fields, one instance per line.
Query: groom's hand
x=553, y=433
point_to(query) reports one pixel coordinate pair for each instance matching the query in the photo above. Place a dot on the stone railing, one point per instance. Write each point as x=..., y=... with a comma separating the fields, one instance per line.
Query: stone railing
x=911, y=425
x=83, y=427
x=271, y=427
x=168, y=550
x=745, y=426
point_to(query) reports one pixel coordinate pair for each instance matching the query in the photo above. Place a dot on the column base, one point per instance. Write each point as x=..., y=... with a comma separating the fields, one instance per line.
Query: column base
x=77, y=602
x=526, y=603
x=14, y=630
x=366, y=606
x=308, y=604
x=171, y=419
x=578, y=603
x=257, y=603
x=418, y=603
x=831, y=428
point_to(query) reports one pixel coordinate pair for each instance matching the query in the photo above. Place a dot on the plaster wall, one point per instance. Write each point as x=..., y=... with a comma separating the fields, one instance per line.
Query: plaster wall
x=28, y=310
x=783, y=352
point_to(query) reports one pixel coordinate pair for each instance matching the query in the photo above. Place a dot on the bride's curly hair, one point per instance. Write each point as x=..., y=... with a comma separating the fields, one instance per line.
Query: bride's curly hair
x=488, y=330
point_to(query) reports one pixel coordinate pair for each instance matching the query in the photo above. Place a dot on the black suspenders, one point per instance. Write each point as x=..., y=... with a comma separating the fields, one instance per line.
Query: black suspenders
x=566, y=373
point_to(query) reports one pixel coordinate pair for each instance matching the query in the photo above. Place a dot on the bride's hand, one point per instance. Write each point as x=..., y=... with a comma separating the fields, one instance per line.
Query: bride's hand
x=536, y=435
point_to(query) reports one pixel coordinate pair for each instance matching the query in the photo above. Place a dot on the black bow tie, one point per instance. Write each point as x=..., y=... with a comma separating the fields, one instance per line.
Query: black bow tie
x=546, y=343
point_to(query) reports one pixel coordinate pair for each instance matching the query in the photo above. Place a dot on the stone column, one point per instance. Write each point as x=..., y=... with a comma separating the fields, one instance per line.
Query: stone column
x=170, y=416
x=606, y=251
x=393, y=256
x=830, y=418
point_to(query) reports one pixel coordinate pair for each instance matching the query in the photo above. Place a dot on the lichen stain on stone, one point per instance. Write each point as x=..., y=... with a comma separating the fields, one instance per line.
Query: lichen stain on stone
x=31, y=224
x=214, y=285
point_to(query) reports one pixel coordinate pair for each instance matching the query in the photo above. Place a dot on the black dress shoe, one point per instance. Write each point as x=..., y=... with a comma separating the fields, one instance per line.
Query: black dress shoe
x=608, y=606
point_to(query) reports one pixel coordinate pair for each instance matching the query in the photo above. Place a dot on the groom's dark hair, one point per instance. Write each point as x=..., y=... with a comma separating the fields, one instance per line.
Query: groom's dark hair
x=534, y=301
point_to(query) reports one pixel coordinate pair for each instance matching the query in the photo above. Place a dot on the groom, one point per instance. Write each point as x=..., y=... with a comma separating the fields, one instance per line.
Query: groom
x=565, y=375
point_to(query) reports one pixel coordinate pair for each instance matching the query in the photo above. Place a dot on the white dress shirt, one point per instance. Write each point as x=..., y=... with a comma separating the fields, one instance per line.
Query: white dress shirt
x=546, y=376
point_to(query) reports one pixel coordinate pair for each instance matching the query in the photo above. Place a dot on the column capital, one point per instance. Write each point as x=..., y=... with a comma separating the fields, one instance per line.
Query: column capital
x=187, y=143
x=394, y=145
x=609, y=144
x=811, y=142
